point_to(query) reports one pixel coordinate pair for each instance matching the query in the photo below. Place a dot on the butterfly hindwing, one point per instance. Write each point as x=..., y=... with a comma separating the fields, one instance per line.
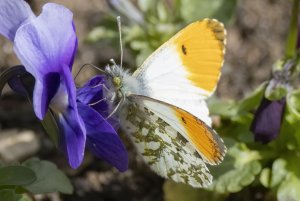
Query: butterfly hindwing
x=163, y=143
x=204, y=139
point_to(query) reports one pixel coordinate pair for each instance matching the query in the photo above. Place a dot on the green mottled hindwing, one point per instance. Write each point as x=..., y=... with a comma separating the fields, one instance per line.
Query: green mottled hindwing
x=163, y=148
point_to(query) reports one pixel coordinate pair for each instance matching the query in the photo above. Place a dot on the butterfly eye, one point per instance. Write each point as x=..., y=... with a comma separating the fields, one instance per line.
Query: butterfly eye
x=117, y=82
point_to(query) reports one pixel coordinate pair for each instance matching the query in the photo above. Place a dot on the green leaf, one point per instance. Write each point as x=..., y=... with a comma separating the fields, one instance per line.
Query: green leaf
x=24, y=197
x=146, y=5
x=289, y=137
x=276, y=92
x=8, y=195
x=237, y=127
x=279, y=172
x=289, y=189
x=134, y=33
x=142, y=56
x=293, y=104
x=265, y=177
x=232, y=109
x=236, y=179
x=51, y=128
x=226, y=11
x=162, y=11
x=138, y=45
x=179, y=192
x=252, y=100
x=293, y=160
x=224, y=108
x=192, y=10
x=238, y=170
x=243, y=155
x=290, y=130
x=285, y=177
x=16, y=175
x=49, y=178
x=101, y=33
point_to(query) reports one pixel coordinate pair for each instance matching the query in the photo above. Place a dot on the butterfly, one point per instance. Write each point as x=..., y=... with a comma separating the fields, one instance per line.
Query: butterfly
x=162, y=108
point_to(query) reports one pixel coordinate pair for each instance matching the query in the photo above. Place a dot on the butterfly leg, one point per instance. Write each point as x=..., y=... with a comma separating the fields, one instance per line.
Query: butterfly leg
x=101, y=85
x=99, y=101
x=122, y=100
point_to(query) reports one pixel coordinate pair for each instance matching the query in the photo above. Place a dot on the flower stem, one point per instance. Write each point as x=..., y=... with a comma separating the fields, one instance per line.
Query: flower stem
x=290, y=51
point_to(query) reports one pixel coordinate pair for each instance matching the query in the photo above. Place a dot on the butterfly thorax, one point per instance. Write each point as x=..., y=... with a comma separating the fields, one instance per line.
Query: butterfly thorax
x=121, y=83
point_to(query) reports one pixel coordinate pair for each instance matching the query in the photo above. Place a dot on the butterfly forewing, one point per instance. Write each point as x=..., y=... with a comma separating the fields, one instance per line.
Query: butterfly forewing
x=185, y=70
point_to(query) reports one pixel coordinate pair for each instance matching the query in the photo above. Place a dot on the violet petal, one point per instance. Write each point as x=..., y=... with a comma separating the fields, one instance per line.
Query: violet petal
x=13, y=13
x=45, y=45
x=72, y=139
x=22, y=84
x=102, y=139
x=92, y=92
x=44, y=91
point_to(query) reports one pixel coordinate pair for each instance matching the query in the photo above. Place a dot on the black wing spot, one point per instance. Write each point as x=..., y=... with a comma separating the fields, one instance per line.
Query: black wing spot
x=183, y=48
x=183, y=120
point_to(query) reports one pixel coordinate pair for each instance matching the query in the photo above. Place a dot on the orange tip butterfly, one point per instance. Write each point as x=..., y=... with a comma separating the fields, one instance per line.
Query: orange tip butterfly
x=162, y=108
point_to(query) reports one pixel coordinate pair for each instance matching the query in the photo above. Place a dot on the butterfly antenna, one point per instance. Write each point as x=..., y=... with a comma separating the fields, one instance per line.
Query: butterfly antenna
x=120, y=37
x=92, y=65
x=113, y=62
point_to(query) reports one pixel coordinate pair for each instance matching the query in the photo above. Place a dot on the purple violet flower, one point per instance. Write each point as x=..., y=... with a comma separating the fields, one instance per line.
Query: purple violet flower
x=46, y=46
x=106, y=146
x=267, y=120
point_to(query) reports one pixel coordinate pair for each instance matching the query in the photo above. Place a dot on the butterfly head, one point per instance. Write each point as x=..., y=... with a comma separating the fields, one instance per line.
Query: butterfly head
x=116, y=74
x=117, y=82
x=121, y=80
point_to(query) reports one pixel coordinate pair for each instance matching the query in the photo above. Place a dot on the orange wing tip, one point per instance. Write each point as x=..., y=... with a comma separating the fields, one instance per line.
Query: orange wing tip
x=201, y=47
x=220, y=33
x=218, y=29
x=222, y=150
x=204, y=139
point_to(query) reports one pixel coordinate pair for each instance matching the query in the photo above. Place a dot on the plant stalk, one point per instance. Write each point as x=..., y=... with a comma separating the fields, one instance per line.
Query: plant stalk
x=290, y=51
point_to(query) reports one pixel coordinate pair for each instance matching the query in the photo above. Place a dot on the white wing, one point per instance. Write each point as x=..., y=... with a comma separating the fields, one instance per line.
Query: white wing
x=184, y=71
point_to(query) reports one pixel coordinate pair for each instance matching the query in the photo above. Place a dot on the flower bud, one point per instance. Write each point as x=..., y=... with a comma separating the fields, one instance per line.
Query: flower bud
x=267, y=120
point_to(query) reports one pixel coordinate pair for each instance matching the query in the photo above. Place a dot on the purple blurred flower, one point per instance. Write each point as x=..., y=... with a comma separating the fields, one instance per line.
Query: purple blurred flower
x=126, y=8
x=267, y=120
x=46, y=46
